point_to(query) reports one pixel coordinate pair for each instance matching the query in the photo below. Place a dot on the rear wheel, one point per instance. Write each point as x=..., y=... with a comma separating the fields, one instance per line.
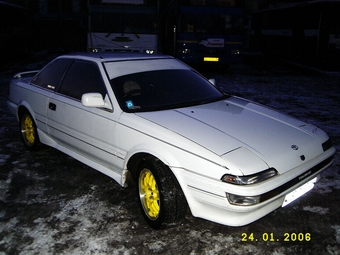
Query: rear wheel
x=28, y=131
x=161, y=199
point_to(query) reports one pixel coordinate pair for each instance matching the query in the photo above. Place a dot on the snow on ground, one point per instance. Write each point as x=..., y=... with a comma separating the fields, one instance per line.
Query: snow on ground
x=52, y=204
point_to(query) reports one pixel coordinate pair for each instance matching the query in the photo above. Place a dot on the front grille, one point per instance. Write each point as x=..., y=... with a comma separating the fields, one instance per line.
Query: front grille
x=296, y=180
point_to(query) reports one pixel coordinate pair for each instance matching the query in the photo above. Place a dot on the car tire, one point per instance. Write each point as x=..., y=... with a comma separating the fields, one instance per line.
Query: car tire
x=162, y=201
x=28, y=131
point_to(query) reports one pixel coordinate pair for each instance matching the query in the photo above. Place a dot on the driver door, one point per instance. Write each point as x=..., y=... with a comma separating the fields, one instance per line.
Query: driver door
x=89, y=132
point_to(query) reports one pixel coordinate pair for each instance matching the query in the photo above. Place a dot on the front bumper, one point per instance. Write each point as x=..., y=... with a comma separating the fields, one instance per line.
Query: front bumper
x=207, y=198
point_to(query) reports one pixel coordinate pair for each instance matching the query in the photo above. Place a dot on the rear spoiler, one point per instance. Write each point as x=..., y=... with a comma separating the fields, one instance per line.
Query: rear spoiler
x=20, y=75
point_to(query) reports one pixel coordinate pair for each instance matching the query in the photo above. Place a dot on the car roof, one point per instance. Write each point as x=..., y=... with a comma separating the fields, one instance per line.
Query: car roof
x=105, y=57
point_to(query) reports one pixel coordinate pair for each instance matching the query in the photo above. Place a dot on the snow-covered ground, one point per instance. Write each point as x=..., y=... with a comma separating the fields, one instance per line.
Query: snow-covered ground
x=52, y=204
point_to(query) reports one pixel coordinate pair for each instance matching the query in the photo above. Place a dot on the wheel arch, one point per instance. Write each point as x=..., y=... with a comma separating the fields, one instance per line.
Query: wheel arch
x=138, y=155
x=136, y=159
x=24, y=107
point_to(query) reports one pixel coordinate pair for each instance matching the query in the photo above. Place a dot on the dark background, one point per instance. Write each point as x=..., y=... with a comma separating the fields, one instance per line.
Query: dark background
x=32, y=28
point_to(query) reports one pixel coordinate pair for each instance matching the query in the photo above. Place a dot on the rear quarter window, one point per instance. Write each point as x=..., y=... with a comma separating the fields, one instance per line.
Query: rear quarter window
x=50, y=76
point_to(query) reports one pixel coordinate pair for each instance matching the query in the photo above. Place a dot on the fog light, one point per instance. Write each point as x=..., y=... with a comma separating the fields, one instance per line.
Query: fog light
x=242, y=200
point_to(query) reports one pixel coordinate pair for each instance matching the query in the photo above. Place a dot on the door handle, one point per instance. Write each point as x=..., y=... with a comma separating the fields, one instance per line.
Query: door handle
x=52, y=106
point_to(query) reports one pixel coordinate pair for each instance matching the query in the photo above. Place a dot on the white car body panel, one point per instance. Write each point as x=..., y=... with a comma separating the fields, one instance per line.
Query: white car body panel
x=35, y=100
x=82, y=129
x=199, y=144
x=207, y=199
x=211, y=125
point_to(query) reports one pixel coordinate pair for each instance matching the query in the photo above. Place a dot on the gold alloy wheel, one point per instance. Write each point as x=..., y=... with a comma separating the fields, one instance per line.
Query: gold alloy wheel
x=149, y=194
x=27, y=130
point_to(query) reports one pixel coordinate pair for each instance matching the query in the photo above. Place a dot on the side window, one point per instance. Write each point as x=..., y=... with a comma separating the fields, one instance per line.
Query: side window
x=82, y=77
x=51, y=75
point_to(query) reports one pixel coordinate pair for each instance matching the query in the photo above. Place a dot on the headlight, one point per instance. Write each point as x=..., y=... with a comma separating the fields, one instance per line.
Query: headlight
x=249, y=179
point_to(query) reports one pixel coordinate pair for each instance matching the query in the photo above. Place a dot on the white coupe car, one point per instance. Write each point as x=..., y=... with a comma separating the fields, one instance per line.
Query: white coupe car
x=155, y=122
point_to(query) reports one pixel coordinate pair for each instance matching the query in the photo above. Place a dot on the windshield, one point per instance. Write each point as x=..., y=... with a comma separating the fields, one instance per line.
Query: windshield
x=163, y=89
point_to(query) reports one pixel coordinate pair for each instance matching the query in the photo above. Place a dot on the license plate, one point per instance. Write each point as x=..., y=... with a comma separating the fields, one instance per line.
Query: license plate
x=295, y=194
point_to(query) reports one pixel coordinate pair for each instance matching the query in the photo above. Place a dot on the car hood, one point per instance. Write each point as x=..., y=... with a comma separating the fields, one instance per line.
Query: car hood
x=234, y=124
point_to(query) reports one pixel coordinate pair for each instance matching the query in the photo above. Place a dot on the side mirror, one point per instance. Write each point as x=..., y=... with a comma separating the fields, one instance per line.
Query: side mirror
x=92, y=100
x=95, y=100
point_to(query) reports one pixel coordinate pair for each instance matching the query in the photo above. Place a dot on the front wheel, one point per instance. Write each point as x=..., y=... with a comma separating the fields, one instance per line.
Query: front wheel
x=28, y=131
x=161, y=199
